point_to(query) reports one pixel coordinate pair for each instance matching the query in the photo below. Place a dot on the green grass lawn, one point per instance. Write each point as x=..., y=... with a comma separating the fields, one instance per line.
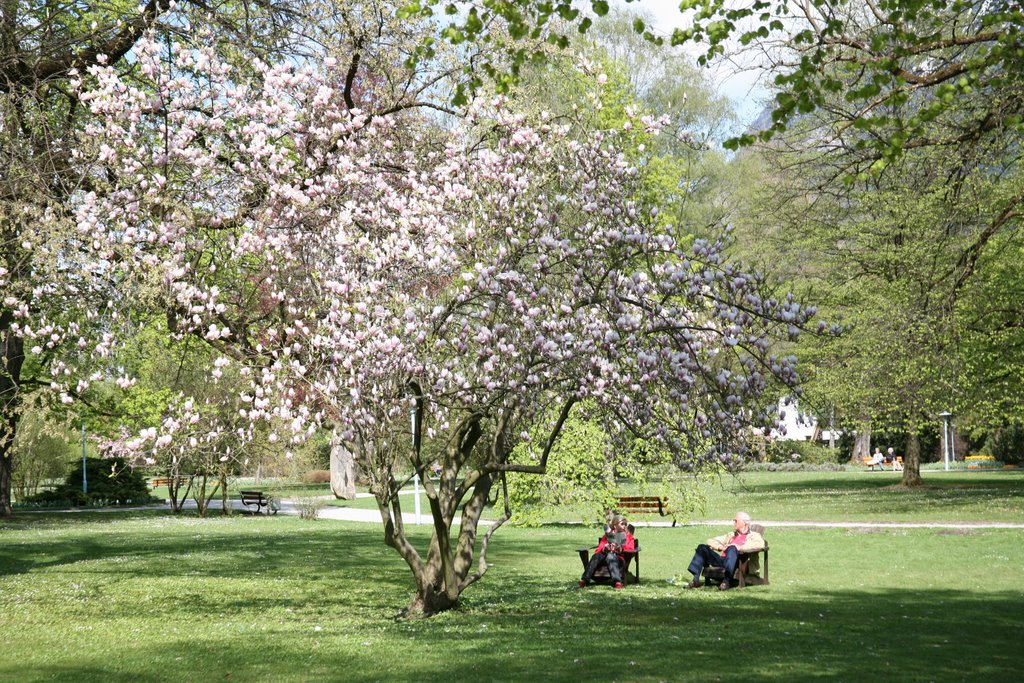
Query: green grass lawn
x=144, y=596
x=870, y=496
x=856, y=496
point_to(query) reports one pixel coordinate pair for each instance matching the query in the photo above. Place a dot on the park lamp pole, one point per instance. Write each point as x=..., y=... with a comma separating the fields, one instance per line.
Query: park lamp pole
x=416, y=473
x=946, y=434
x=85, y=484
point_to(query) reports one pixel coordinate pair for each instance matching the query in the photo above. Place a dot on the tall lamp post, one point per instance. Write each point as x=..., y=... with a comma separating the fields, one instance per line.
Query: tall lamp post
x=947, y=433
x=415, y=474
x=85, y=483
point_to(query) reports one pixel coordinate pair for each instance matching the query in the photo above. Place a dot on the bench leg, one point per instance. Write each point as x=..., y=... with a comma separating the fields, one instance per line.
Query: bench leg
x=584, y=556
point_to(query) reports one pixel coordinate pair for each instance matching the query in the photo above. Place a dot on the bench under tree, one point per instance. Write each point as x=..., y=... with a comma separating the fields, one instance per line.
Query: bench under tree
x=644, y=505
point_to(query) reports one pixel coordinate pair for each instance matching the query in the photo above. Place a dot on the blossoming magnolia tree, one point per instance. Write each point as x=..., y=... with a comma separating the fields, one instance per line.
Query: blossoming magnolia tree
x=380, y=275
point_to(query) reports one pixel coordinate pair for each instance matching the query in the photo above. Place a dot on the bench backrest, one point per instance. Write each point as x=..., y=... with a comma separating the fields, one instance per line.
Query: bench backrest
x=640, y=503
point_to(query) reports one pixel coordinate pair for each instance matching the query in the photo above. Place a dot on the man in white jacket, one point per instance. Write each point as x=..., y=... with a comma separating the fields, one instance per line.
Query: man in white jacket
x=724, y=551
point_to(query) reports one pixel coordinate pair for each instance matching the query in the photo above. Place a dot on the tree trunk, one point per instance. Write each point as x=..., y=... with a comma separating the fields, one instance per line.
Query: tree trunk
x=12, y=357
x=225, y=504
x=6, y=470
x=343, y=472
x=912, y=461
x=429, y=602
x=862, y=444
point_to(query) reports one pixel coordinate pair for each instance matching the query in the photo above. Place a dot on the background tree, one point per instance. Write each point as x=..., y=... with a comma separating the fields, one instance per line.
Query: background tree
x=895, y=129
x=45, y=274
x=45, y=283
x=41, y=454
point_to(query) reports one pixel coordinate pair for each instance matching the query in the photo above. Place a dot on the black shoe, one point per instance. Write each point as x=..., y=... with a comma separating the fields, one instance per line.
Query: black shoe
x=693, y=584
x=724, y=586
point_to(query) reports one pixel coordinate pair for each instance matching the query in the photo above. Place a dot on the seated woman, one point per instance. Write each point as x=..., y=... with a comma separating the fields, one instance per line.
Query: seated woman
x=610, y=551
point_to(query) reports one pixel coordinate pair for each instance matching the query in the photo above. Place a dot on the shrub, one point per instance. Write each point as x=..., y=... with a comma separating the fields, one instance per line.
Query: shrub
x=317, y=477
x=309, y=506
x=792, y=467
x=807, y=452
x=1007, y=444
x=109, y=482
x=41, y=454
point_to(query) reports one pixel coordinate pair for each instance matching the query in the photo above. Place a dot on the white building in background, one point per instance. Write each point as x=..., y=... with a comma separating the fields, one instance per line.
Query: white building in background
x=799, y=426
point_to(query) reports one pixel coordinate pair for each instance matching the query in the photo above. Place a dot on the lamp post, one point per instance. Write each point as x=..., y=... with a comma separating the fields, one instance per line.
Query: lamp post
x=416, y=473
x=85, y=483
x=946, y=434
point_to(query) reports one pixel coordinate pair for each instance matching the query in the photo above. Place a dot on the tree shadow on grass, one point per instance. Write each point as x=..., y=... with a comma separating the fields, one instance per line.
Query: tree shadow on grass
x=215, y=546
x=750, y=635
x=553, y=634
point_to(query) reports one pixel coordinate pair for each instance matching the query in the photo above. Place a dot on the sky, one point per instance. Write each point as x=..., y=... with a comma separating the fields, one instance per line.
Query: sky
x=740, y=87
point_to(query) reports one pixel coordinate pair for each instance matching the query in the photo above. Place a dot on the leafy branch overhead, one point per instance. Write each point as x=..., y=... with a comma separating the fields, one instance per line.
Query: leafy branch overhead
x=909, y=72
x=520, y=27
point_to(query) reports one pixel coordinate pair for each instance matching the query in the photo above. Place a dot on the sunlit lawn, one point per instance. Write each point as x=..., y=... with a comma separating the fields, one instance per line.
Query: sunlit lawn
x=856, y=496
x=129, y=596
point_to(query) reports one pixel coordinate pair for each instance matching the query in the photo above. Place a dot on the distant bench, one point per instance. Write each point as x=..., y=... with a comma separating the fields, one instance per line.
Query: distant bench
x=896, y=464
x=165, y=481
x=258, y=499
x=644, y=505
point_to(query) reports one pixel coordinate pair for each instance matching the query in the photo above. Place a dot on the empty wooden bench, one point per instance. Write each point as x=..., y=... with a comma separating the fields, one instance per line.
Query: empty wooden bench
x=259, y=500
x=644, y=505
x=167, y=481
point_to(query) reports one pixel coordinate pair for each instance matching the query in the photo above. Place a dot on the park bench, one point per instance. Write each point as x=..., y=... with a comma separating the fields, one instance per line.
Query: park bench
x=603, y=576
x=165, y=481
x=258, y=499
x=897, y=464
x=871, y=465
x=645, y=505
x=748, y=569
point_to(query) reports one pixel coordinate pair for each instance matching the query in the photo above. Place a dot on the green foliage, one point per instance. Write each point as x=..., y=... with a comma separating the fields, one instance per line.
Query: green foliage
x=109, y=481
x=579, y=474
x=586, y=472
x=909, y=69
x=806, y=452
x=41, y=453
x=1007, y=444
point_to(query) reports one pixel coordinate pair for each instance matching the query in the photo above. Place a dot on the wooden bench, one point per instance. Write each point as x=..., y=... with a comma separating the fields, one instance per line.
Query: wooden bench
x=166, y=481
x=748, y=571
x=896, y=465
x=602, y=575
x=258, y=499
x=644, y=505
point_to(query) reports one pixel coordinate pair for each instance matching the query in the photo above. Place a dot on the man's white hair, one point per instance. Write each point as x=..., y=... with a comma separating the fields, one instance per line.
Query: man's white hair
x=744, y=517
